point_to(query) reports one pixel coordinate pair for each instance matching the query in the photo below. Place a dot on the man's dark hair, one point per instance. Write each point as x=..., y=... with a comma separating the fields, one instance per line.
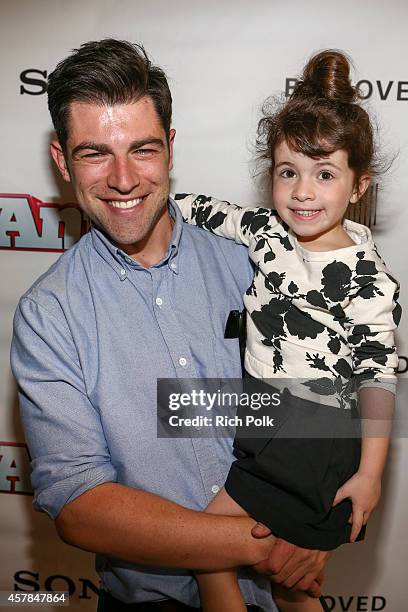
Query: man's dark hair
x=110, y=72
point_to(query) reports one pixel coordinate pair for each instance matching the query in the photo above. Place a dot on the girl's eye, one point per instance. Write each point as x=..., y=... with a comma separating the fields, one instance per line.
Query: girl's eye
x=287, y=173
x=326, y=175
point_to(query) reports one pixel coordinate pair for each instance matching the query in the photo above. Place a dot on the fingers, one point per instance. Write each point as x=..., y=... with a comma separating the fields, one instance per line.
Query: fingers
x=312, y=587
x=320, y=577
x=300, y=580
x=357, y=523
x=307, y=575
x=339, y=497
x=294, y=568
x=260, y=531
x=281, y=553
x=300, y=574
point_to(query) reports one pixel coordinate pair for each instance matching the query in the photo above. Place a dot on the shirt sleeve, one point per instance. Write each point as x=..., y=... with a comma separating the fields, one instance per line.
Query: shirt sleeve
x=223, y=218
x=63, y=429
x=373, y=315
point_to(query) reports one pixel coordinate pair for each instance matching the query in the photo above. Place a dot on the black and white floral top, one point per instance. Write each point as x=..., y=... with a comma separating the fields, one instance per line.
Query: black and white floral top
x=312, y=314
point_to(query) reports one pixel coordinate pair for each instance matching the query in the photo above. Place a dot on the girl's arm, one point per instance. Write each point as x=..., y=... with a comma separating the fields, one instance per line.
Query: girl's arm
x=375, y=362
x=224, y=219
x=364, y=488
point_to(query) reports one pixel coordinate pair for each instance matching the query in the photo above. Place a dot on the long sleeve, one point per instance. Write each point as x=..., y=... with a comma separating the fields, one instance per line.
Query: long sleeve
x=63, y=429
x=372, y=316
x=224, y=219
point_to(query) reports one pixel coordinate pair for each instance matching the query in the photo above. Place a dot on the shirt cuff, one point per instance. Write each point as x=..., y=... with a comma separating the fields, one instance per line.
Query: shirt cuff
x=52, y=499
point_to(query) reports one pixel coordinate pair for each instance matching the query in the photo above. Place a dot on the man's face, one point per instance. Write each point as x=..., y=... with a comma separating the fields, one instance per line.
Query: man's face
x=118, y=162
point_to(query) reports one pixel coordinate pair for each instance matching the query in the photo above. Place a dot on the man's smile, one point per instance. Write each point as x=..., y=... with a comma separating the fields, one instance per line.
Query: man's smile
x=125, y=204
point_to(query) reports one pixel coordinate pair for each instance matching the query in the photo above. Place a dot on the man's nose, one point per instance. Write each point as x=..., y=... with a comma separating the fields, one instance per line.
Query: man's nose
x=123, y=176
x=303, y=190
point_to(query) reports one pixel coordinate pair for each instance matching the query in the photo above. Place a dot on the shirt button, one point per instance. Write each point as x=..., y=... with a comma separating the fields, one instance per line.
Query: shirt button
x=173, y=266
x=183, y=361
x=215, y=489
x=159, y=301
x=123, y=272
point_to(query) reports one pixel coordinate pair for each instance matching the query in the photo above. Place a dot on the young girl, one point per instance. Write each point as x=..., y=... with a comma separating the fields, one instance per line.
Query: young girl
x=322, y=304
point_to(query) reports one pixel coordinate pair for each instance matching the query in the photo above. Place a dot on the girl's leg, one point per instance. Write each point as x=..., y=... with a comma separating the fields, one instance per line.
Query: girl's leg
x=288, y=601
x=220, y=590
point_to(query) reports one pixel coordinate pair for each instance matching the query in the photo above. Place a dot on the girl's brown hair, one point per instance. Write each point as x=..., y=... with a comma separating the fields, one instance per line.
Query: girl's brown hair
x=322, y=115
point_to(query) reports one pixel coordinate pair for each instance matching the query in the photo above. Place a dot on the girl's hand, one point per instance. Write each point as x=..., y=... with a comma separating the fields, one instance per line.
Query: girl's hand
x=364, y=491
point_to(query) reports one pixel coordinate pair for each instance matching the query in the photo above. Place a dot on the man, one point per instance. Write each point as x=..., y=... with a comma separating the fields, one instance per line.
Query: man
x=139, y=297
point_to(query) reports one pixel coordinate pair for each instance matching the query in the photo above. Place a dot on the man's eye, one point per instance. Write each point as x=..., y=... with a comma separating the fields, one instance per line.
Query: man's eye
x=93, y=155
x=145, y=152
x=326, y=175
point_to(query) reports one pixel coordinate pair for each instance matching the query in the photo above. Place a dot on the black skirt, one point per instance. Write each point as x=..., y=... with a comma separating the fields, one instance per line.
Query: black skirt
x=288, y=482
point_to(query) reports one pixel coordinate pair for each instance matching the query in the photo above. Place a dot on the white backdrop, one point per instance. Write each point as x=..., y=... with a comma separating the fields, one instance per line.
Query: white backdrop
x=222, y=59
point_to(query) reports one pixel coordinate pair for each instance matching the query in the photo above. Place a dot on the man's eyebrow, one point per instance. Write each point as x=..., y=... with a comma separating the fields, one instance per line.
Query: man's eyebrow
x=101, y=148
x=90, y=145
x=153, y=140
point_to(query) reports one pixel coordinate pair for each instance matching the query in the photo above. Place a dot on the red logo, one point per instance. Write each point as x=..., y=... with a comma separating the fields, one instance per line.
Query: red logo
x=15, y=468
x=27, y=224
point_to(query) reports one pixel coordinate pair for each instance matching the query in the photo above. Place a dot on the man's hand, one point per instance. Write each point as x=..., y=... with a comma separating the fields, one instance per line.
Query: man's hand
x=292, y=567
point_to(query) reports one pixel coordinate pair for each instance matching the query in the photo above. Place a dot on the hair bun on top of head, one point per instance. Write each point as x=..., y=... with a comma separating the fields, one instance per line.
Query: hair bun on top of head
x=327, y=75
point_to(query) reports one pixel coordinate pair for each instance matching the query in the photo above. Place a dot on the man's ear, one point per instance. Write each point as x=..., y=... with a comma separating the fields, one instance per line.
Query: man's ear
x=360, y=188
x=59, y=158
x=172, y=135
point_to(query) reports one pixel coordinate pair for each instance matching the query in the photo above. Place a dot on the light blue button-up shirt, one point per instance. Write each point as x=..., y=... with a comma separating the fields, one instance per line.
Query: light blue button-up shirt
x=91, y=337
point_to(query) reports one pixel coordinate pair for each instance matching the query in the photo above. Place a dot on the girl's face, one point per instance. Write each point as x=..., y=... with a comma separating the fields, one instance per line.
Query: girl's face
x=312, y=194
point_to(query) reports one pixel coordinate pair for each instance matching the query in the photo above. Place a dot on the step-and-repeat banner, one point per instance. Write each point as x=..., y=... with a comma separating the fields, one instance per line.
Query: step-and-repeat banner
x=222, y=59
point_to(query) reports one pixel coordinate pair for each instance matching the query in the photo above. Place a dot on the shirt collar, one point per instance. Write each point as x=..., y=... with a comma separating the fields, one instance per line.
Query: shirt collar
x=121, y=262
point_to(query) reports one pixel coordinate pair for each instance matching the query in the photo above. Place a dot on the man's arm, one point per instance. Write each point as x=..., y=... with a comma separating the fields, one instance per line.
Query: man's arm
x=140, y=527
x=143, y=528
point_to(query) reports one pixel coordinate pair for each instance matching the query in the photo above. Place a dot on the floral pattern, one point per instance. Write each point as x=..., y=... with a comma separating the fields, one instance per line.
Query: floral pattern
x=311, y=314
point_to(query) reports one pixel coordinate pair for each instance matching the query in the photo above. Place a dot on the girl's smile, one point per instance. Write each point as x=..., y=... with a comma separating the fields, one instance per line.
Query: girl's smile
x=311, y=195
